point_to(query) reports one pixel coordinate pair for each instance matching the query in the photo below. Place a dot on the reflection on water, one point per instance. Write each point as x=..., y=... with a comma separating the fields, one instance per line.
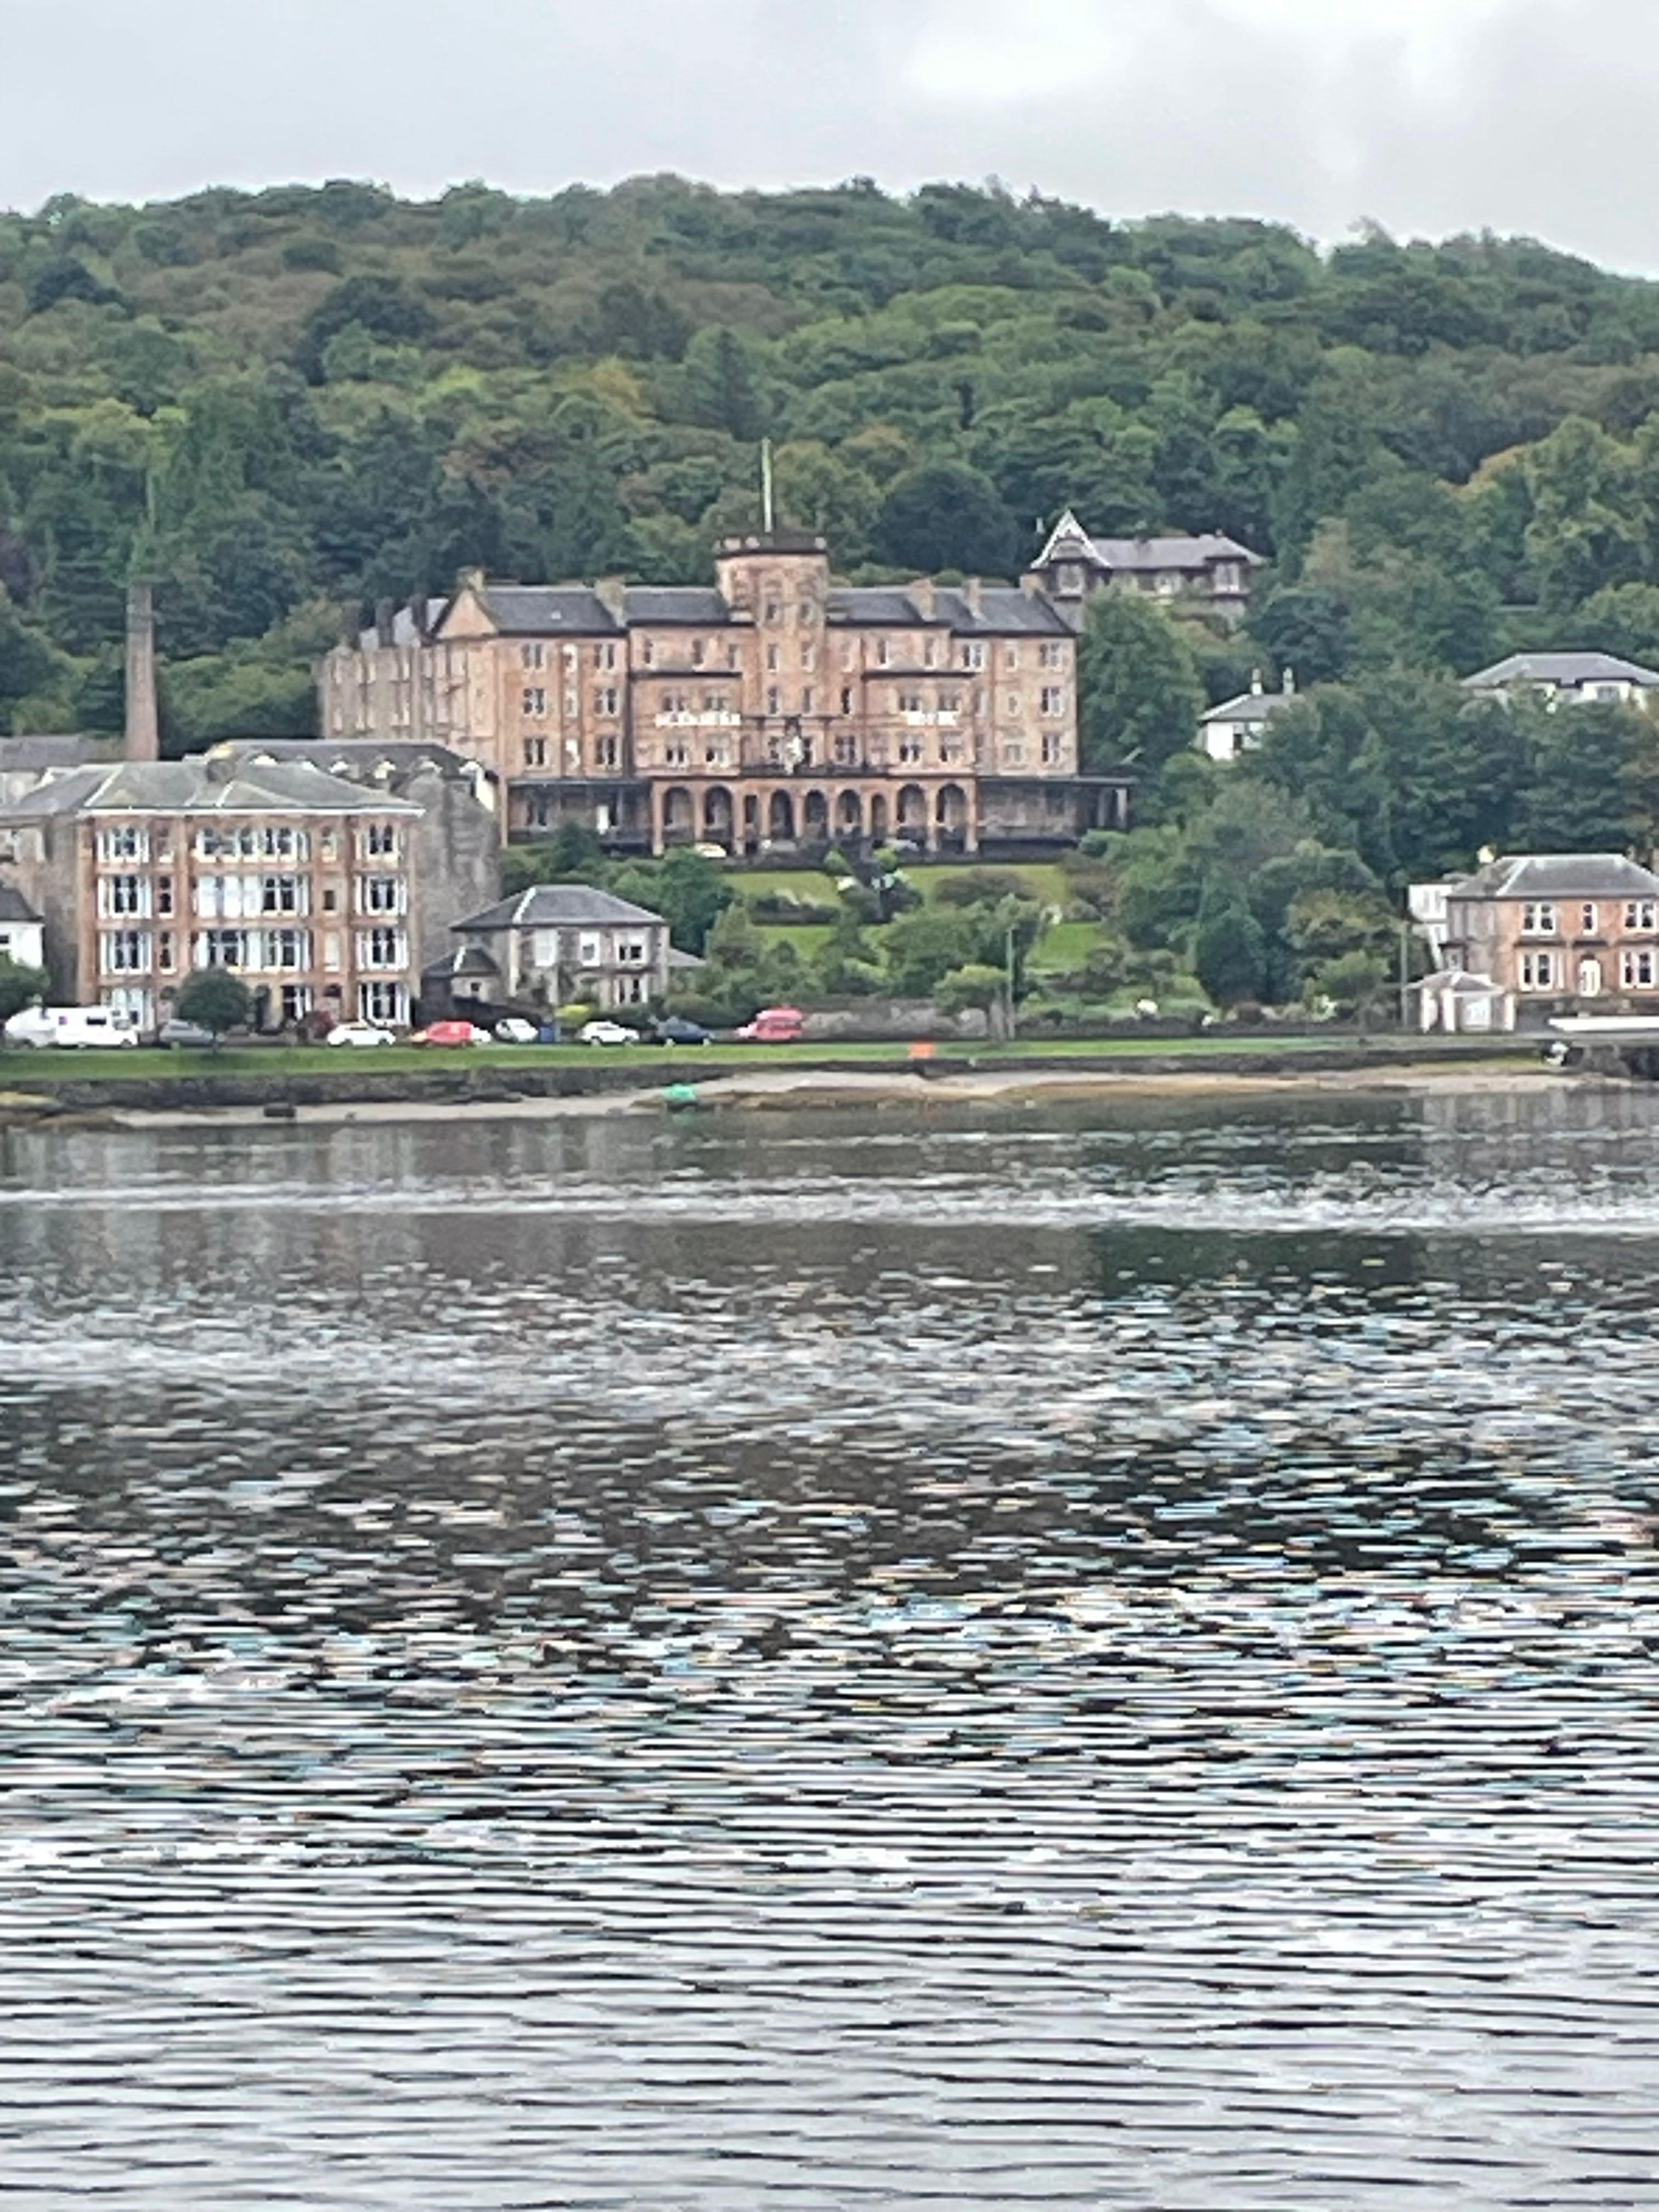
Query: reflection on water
x=1098, y=1657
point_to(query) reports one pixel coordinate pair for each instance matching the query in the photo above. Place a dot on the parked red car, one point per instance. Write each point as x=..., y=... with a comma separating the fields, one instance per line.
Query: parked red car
x=452, y=1033
x=774, y=1026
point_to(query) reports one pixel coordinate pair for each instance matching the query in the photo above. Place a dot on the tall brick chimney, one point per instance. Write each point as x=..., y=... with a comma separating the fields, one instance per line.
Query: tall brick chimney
x=143, y=737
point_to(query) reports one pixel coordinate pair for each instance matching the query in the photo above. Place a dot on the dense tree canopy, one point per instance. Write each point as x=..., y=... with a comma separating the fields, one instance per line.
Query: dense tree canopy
x=281, y=403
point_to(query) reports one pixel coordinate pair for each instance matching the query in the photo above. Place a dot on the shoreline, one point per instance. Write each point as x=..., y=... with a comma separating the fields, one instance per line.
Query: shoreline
x=825, y=1089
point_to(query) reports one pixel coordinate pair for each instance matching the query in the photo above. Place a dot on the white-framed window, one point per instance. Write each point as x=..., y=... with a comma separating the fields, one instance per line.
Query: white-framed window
x=604, y=699
x=222, y=948
x=846, y=698
x=648, y=651
x=1642, y=913
x=332, y=950
x=607, y=750
x=1539, y=971
x=382, y=1002
x=281, y=841
x=287, y=948
x=533, y=704
x=605, y=654
x=535, y=753
x=1051, y=655
x=628, y=990
x=1635, y=966
x=973, y=653
x=573, y=706
x=379, y=841
x=1015, y=704
x=284, y=895
x=909, y=702
x=1053, y=701
x=587, y=950
x=164, y=953
x=382, y=895
x=296, y=1001
x=676, y=752
x=119, y=894
x=809, y=659
x=124, y=841
x=882, y=656
x=1013, y=754
x=382, y=948
x=124, y=952
x=631, y=952
x=909, y=750
x=1538, y=918
x=1587, y=920
x=532, y=655
x=774, y=699
x=1011, y=656
x=772, y=610
x=773, y=659
x=164, y=895
x=699, y=652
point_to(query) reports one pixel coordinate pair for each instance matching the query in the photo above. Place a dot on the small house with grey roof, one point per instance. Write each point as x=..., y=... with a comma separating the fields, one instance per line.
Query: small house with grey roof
x=1567, y=679
x=22, y=931
x=1556, y=932
x=555, y=943
x=775, y=711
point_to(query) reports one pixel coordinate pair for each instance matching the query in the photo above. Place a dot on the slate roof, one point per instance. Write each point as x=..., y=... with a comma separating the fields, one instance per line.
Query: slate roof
x=1568, y=668
x=13, y=907
x=1159, y=553
x=1559, y=876
x=1005, y=611
x=1069, y=539
x=36, y=755
x=198, y=785
x=577, y=610
x=1249, y=707
x=350, y=757
x=558, y=906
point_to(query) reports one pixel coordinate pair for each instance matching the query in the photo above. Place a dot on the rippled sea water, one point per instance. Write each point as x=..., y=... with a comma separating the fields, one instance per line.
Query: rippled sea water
x=1092, y=1657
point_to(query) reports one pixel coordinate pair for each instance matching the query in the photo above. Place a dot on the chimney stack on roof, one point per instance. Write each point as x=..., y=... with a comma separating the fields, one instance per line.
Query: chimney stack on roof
x=386, y=623
x=611, y=592
x=143, y=731
x=974, y=591
x=921, y=596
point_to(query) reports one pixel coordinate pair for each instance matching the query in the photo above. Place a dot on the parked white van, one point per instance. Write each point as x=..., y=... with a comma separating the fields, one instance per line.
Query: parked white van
x=77, y=1028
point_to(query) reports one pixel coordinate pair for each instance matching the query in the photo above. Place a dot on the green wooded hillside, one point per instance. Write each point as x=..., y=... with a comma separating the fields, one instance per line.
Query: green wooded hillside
x=280, y=401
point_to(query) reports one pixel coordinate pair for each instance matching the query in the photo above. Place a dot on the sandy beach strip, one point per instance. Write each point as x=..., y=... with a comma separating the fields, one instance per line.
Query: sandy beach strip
x=811, y=1088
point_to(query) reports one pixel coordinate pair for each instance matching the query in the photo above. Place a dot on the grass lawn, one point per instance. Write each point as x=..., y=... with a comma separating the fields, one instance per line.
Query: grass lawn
x=278, y=1062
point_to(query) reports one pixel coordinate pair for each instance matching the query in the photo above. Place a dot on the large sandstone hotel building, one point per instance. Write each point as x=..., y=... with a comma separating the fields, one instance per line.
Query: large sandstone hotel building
x=777, y=710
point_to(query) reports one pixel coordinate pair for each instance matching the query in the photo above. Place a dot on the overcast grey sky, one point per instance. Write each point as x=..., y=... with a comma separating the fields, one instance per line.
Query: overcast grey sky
x=1428, y=116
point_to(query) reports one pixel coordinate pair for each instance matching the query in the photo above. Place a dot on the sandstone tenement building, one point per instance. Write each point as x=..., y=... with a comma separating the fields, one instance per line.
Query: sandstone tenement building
x=776, y=710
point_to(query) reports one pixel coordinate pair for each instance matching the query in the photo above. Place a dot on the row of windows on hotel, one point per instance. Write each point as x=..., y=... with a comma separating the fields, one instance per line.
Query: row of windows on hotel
x=845, y=752
x=135, y=841
x=257, y=952
x=380, y=999
x=974, y=654
x=1547, y=971
x=231, y=897
x=1542, y=917
x=672, y=705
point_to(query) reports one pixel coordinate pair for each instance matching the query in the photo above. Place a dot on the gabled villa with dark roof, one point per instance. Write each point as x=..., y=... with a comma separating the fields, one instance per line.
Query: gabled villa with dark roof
x=775, y=711
x=556, y=942
x=1209, y=571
